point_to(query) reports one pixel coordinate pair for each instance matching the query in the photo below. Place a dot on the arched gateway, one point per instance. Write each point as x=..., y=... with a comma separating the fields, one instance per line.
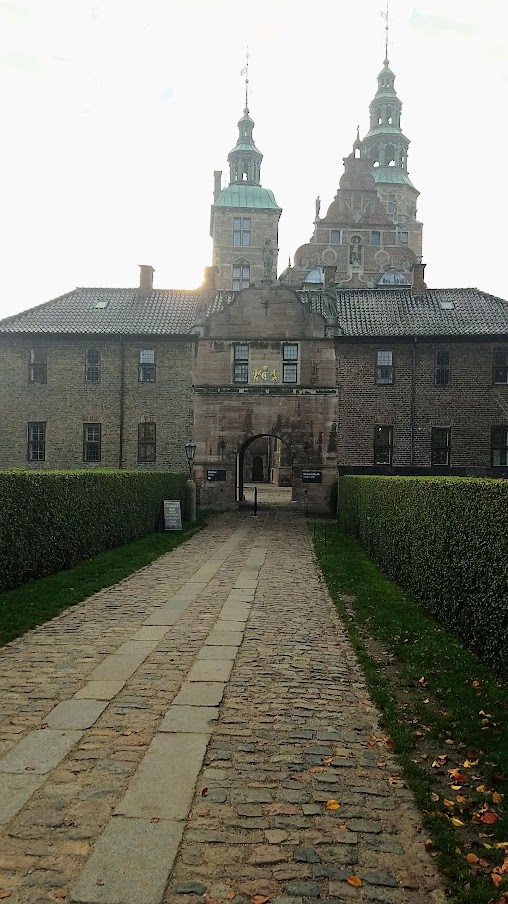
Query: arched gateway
x=264, y=368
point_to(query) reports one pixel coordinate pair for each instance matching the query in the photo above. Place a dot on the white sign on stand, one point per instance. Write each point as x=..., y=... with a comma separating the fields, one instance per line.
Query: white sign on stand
x=172, y=514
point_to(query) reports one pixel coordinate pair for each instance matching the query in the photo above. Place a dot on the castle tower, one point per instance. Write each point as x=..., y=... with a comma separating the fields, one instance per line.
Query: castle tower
x=387, y=147
x=369, y=236
x=244, y=218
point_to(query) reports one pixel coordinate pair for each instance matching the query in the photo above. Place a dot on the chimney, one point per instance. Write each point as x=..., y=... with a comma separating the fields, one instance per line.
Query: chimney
x=419, y=285
x=146, y=279
x=209, y=282
x=217, y=177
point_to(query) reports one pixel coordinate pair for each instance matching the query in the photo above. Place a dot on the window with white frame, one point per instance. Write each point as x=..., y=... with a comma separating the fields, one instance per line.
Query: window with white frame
x=241, y=231
x=146, y=365
x=92, y=440
x=38, y=365
x=499, y=446
x=440, y=446
x=241, y=277
x=501, y=366
x=36, y=441
x=290, y=362
x=147, y=441
x=383, y=445
x=92, y=365
x=240, y=363
x=384, y=368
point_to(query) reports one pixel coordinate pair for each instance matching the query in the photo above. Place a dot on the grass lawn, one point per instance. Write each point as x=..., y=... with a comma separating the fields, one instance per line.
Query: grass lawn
x=34, y=603
x=445, y=712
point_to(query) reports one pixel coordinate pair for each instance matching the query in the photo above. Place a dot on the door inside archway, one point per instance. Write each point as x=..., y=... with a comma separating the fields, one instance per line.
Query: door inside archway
x=258, y=471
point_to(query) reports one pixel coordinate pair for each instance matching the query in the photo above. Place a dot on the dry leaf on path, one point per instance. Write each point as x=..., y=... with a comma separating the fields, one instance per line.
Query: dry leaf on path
x=472, y=858
x=259, y=899
x=332, y=804
x=355, y=881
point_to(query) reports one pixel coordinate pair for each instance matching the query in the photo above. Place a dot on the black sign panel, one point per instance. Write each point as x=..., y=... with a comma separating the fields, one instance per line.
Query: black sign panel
x=312, y=476
x=215, y=474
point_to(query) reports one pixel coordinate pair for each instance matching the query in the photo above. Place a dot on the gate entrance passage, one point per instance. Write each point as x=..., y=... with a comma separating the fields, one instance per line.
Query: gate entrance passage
x=266, y=461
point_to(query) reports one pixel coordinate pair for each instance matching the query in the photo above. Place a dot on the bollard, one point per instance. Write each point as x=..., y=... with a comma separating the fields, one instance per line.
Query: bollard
x=255, y=500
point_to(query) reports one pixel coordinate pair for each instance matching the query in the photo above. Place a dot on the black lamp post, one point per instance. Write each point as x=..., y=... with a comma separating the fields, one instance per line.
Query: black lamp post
x=190, y=454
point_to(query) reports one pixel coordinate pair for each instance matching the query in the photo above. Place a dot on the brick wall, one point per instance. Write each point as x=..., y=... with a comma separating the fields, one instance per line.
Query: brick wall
x=65, y=402
x=470, y=405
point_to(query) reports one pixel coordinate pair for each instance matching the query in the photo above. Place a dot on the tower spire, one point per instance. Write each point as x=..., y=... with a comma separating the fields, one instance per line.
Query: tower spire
x=385, y=16
x=245, y=72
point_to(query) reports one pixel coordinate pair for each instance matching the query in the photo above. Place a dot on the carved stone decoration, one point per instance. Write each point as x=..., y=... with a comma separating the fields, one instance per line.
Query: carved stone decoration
x=355, y=250
x=329, y=257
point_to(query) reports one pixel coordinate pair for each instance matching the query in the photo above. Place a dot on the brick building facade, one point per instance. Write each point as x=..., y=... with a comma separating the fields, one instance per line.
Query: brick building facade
x=347, y=363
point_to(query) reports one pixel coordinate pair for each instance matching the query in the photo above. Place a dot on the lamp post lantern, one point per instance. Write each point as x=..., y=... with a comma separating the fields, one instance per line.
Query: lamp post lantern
x=190, y=489
x=190, y=454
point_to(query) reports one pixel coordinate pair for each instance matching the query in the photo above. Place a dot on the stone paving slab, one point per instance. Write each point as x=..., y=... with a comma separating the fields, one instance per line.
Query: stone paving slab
x=130, y=863
x=40, y=751
x=163, y=786
x=201, y=693
x=15, y=790
x=224, y=638
x=75, y=713
x=211, y=670
x=219, y=652
x=99, y=690
x=195, y=719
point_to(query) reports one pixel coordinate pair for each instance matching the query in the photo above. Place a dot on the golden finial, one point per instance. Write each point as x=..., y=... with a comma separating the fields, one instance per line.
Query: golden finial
x=245, y=72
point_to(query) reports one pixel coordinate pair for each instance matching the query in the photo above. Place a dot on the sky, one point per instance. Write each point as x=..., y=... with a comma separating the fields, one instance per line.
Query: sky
x=115, y=113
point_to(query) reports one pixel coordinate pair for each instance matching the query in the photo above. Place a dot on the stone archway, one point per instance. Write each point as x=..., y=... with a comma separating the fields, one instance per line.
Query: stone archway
x=279, y=464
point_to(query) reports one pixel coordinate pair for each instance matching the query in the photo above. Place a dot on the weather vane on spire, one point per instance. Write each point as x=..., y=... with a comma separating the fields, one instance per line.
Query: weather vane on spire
x=245, y=72
x=385, y=16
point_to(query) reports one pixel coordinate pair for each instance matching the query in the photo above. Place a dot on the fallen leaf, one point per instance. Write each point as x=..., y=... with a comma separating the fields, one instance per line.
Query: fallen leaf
x=460, y=799
x=457, y=776
x=428, y=842
x=489, y=818
x=332, y=804
x=472, y=858
x=327, y=760
x=204, y=792
x=456, y=822
x=388, y=743
x=4, y=894
x=434, y=796
x=449, y=803
x=476, y=684
x=468, y=763
x=230, y=895
x=155, y=819
x=315, y=769
x=497, y=797
x=427, y=700
x=456, y=787
x=421, y=681
x=355, y=881
x=481, y=789
x=496, y=879
x=259, y=899
x=501, y=844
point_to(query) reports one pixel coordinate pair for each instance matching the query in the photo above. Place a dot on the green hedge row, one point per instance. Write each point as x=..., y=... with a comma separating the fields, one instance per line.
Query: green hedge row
x=445, y=540
x=50, y=520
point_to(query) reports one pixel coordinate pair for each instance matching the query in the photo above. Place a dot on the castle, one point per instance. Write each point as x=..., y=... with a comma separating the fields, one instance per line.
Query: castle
x=345, y=362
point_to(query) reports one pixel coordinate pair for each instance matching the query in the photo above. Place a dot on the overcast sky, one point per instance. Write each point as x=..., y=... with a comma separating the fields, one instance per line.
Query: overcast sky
x=115, y=113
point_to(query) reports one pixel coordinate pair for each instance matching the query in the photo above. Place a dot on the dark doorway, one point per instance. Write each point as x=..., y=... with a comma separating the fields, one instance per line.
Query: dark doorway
x=257, y=469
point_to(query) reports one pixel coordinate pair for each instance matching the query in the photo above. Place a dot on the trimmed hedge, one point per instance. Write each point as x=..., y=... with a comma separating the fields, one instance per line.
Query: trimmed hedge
x=49, y=520
x=444, y=540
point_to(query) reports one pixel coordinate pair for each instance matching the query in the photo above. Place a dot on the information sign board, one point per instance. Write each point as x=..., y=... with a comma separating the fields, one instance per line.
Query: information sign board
x=172, y=514
x=215, y=474
x=310, y=476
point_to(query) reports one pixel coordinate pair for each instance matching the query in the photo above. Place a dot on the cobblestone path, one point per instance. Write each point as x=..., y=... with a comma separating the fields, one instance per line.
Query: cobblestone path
x=175, y=739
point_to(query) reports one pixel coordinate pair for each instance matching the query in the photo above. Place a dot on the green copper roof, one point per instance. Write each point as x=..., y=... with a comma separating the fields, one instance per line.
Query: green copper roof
x=251, y=196
x=391, y=175
x=384, y=129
